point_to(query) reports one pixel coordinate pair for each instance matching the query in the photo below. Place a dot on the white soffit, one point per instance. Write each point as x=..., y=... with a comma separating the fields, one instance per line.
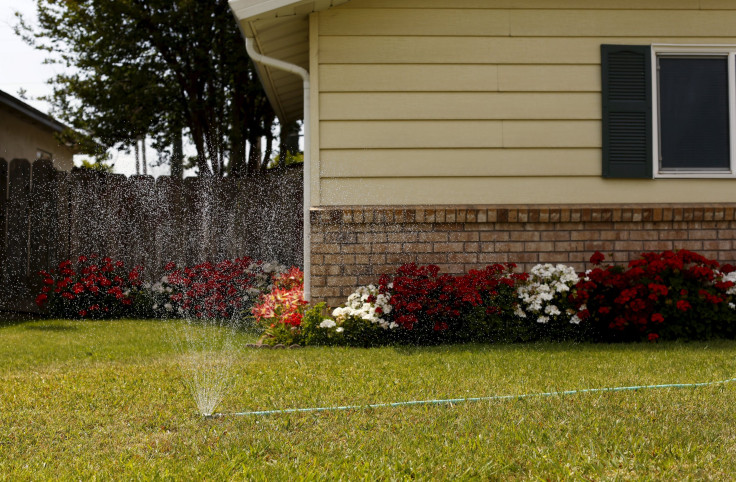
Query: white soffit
x=280, y=29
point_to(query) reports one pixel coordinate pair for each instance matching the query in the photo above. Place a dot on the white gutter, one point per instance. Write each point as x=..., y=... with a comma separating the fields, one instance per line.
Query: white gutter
x=301, y=72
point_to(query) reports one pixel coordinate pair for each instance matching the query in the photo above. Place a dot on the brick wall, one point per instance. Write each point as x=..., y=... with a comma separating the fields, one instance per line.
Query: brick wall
x=352, y=246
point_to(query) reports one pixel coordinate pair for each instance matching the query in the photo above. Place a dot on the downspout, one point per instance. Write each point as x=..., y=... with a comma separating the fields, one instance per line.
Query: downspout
x=301, y=72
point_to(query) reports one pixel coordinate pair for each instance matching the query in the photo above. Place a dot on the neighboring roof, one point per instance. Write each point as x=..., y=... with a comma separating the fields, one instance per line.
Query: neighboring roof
x=280, y=29
x=31, y=113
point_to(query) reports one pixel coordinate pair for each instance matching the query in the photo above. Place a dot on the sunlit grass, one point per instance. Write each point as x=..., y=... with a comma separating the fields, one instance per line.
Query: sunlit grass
x=108, y=399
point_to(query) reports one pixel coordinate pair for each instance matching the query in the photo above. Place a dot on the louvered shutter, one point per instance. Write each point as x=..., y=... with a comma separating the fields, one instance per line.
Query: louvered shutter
x=627, y=111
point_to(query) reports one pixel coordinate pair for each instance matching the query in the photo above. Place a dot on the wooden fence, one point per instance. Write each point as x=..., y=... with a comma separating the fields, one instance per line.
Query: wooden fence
x=47, y=216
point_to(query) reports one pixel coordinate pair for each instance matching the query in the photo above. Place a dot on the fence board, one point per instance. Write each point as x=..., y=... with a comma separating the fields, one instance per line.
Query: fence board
x=63, y=204
x=16, y=273
x=3, y=220
x=43, y=220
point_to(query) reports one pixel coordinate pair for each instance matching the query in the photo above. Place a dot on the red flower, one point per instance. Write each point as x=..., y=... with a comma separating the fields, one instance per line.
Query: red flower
x=78, y=288
x=67, y=295
x=652, y=337
x=40, y=299
x=683, y=305
x=597, y=258
x=657, y=318
x=82, y=259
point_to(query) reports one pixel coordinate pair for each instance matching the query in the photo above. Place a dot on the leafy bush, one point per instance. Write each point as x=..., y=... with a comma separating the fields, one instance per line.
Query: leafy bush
x=432, y=308
x=90, y=287
x=672, y=295
x=225, y=290
x=280, y=312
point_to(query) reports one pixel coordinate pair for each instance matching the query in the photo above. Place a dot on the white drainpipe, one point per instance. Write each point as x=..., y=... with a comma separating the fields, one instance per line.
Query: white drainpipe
x=301, y=72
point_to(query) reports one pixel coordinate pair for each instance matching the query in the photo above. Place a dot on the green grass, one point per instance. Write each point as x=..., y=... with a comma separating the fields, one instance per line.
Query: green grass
x=107, y=400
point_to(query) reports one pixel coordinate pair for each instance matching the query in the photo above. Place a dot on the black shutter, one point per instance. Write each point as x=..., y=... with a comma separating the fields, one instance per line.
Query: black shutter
x=627, y=111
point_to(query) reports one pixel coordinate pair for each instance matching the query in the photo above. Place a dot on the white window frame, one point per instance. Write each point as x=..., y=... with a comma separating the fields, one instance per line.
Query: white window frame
x=664, y=50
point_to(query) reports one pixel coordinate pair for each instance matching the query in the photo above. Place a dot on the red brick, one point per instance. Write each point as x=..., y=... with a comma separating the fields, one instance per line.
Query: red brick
x=464, y=236
x=628, y=246
x=331, y=248
x=691, y=245
x=658, y=245
x=503, y=247
x=400, y=258
x=524, y=236
x=541, y=246
x=327, y=269
x=602, y=246
x=357, y=269
x=356, y=248
x=339, y=258
x=462, y=258
x=717, y=245
x=387, y=248
x=554, y=257
x=431, y=258
x=448, y=247
x=433, y=237
x=585, y=235
x=566, y=246
x=368, y=238
x=417, y=247
x=402, y=237
x=495, y=236
x=703, y=234
x=644, y=235
x=490, y=258
x=555, y=236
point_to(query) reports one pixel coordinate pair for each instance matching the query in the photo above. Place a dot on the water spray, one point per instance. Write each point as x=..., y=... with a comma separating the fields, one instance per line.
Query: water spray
x=452, y=401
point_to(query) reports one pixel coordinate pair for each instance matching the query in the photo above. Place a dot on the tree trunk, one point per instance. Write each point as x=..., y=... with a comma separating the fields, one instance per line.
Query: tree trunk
x=177, y=152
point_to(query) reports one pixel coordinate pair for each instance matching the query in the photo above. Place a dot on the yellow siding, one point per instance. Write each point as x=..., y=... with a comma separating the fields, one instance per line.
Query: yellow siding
x=20, y=139
x=486, y=101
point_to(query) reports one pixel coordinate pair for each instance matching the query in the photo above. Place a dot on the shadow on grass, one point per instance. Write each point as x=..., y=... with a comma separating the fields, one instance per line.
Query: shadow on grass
x=12, y=318
x=37, y=327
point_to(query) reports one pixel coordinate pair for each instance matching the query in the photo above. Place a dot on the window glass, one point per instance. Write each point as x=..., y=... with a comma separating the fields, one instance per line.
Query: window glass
x=693, y=113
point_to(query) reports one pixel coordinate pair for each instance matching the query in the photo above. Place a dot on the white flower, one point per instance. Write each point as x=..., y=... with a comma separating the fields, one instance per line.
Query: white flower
x=327, y=323
x=546, y=289
x=155, y=306
x=575, y=320
x=339, y=329
x=168, y=307
x=732, y=306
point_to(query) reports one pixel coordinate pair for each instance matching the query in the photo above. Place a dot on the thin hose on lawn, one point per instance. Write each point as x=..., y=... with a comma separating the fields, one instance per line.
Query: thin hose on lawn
x=473, y=399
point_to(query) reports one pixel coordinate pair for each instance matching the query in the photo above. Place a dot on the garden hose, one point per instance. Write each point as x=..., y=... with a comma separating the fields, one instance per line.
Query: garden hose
x=450, y=401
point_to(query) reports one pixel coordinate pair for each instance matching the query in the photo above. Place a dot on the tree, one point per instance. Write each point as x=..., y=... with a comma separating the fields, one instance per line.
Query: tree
x=149, y=68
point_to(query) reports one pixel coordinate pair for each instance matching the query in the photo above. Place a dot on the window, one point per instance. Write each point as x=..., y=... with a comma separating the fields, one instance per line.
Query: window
x=676, y=120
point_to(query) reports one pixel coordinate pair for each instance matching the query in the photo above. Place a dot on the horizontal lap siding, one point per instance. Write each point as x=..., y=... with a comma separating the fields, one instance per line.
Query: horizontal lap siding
x=480, y=101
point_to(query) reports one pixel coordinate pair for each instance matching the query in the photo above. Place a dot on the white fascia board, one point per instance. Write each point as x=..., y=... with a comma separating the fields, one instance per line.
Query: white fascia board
x=248, y=9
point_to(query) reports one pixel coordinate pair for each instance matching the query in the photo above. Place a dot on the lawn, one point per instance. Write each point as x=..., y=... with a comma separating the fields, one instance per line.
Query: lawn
x=80, y=400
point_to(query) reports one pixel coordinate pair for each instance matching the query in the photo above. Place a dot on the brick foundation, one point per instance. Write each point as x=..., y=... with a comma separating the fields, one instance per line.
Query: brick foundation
x=352, y=246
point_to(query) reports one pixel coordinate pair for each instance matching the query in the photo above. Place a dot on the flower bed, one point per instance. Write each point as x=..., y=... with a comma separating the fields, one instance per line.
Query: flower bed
x=668, y=295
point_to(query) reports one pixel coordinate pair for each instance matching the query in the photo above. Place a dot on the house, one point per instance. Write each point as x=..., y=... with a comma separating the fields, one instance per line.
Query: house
x=470, y=132
x=27, y=133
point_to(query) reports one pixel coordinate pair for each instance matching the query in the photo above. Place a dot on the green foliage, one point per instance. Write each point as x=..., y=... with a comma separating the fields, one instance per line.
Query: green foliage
x=96, y=166
x=150, y=69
